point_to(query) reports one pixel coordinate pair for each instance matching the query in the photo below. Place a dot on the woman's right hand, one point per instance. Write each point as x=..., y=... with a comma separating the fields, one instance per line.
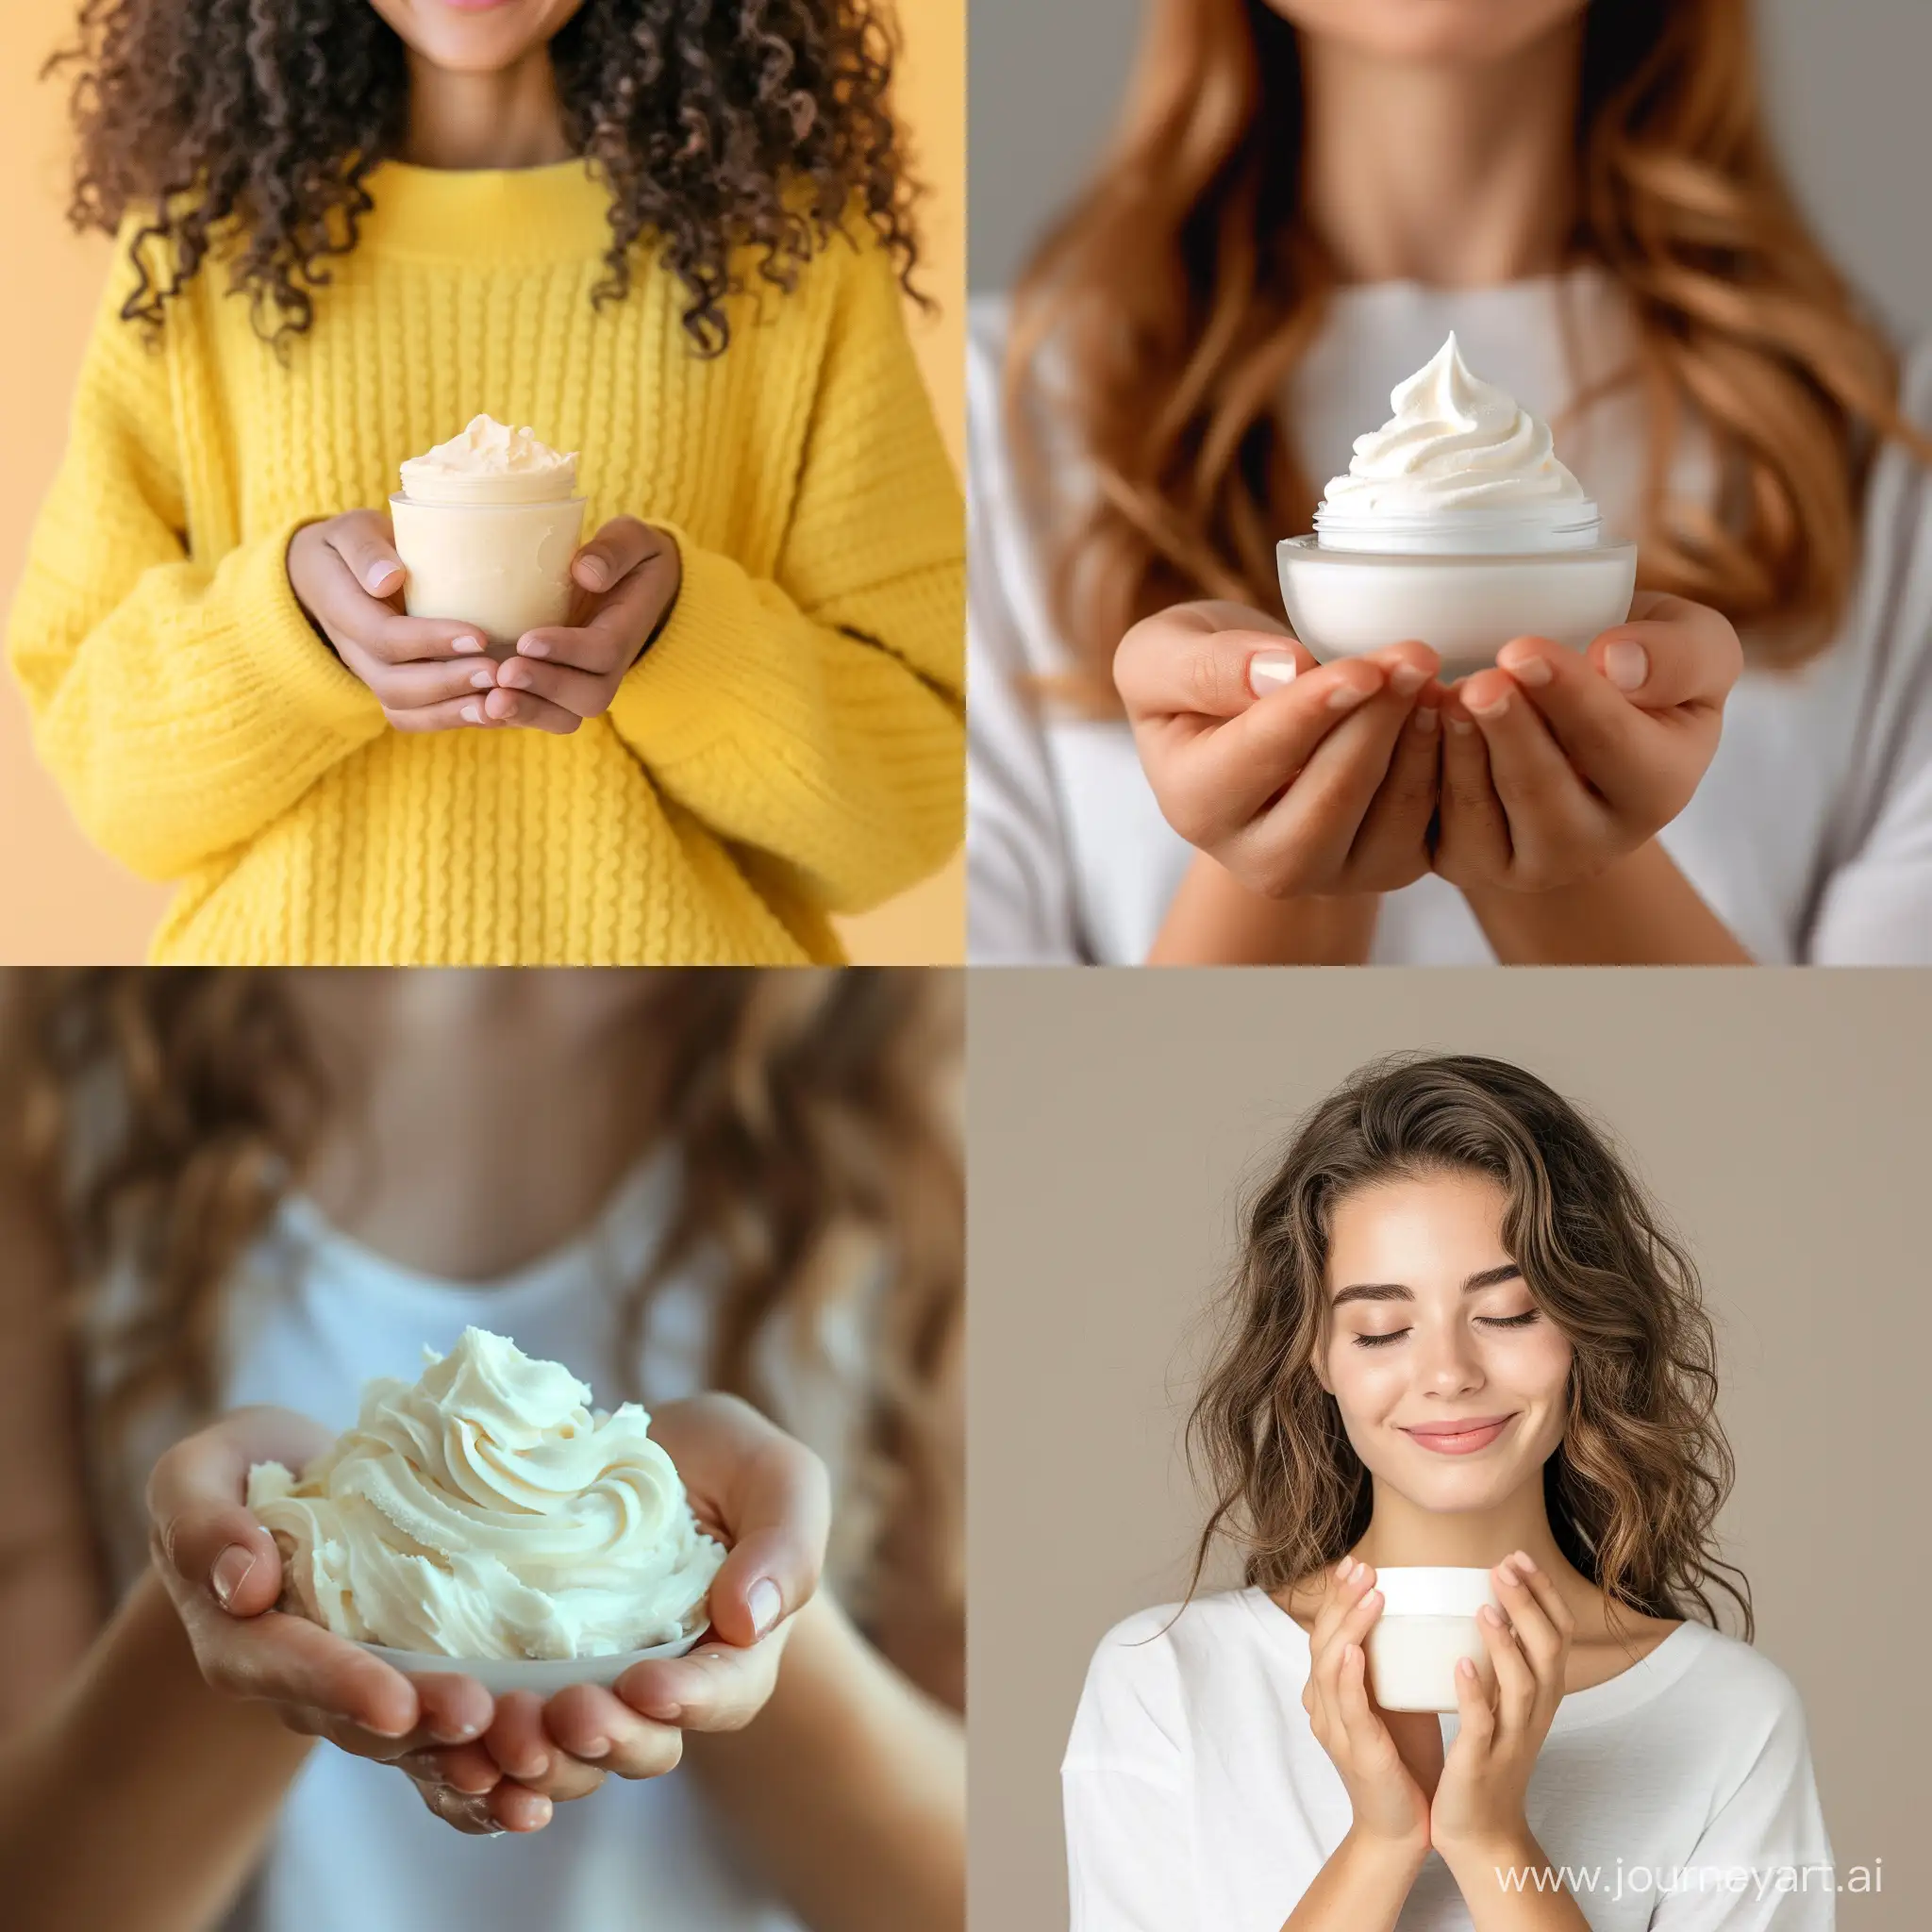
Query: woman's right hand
x=1301, y=779
x=1388, y=1805
x=428, y=673
x=223, y=1574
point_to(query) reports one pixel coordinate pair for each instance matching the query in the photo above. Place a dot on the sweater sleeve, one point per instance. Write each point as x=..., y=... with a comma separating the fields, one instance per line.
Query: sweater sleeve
x=181, y=700
x=818, y=716
x=1124, y=1785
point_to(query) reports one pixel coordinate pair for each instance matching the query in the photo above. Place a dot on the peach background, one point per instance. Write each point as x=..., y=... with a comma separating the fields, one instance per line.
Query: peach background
x=60, y=901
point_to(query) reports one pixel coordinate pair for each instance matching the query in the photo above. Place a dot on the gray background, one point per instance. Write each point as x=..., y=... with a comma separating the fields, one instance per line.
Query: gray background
x=1846, y=80
x=1112, y=1121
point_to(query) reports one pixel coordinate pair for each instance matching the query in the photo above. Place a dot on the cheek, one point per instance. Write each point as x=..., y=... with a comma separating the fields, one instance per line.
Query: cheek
x=1365, y=1381
x=1536, y=1368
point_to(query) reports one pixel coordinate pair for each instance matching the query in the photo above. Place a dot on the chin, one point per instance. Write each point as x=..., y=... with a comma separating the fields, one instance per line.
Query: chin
x=1440, y=32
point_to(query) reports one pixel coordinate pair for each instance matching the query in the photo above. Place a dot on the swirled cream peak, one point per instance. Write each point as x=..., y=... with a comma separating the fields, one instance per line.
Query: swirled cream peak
x=487, y=1510
x=490, y=462
x=1453, y=442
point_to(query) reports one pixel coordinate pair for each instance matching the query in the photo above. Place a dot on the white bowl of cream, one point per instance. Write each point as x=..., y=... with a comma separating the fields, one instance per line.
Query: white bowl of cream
x=487, y=1520
x=487, y=525
x=1456, y=525
x=1427, y=1621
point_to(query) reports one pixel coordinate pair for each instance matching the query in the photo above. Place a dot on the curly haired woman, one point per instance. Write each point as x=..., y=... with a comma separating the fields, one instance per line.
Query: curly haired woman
x=671, y=237
x=1460, y=1336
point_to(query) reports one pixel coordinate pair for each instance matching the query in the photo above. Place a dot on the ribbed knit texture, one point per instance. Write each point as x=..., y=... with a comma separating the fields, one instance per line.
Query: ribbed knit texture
x=790, y=747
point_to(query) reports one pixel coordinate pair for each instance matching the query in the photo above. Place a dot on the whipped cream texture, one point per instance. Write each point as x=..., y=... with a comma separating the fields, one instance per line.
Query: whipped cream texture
x=487, y=1510
x=490, y=462
x=1455, y=442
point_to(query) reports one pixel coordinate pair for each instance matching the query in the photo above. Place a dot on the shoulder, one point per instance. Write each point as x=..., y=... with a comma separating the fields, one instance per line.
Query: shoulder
x=1733, y=1680
x=1158, y=1659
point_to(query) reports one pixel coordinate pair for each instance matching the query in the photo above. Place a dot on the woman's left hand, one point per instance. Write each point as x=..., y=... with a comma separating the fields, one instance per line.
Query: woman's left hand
x=630, y=575
x=767, y=1497
x=1477, y=1811
x=1556, y=764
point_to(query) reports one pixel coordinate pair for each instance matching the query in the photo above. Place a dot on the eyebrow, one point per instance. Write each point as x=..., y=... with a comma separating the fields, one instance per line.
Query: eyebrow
x=1395, y=1291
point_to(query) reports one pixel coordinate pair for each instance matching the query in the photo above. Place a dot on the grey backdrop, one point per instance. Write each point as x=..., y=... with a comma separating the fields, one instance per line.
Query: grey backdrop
x=1847, y=82
x=1112, y=1121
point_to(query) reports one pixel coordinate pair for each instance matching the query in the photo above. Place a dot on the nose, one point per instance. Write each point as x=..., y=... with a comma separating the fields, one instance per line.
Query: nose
x=1447, y=1363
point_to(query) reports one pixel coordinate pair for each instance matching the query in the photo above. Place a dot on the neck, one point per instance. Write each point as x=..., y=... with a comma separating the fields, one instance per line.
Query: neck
x=511, y=118
x=1402, y=1532
x=1457, y=176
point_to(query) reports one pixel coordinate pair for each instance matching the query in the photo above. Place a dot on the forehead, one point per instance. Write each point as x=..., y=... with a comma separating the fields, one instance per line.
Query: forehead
x=1415, y=1228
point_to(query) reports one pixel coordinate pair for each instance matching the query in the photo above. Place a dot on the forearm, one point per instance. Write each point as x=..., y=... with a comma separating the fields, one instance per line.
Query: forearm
x=1511, y=1887
x=1215, y=921
x=1361, y=1887
x=849, y=1789
x=1642, y=913
x=140, y=1797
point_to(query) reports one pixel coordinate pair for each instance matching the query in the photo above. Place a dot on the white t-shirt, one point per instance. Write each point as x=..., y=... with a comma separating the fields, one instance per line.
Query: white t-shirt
x=1198, y=1799
x=1811, y=836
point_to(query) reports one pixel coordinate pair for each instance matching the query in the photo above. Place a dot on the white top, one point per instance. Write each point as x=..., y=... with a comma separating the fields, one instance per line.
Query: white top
x=1198, y=1800
x=312, y=1315
x=1812, y=835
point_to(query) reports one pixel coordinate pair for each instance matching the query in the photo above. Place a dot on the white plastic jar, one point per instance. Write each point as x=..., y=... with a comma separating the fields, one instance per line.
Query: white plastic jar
x=1428, y=1621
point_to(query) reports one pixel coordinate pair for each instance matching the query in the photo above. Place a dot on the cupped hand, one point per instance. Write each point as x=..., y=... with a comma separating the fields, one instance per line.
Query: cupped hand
x=628, y=577
x=767, y=1498
x=223, y=1574
x=1388, y=1803
x=1556, y=764
x=1299, y=779
x=1477, y=1811
x=428, y=673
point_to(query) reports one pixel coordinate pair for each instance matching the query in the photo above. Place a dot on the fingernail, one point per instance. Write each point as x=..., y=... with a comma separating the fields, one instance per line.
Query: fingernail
x=466, y=646
x=1464, y=1668
x=1461, y=727
x=596, y=1748
x=1495, y=707
x=482, y=680
x=593, y=572
x=544, y=1811
x=1406, y=678
x=1627, y=664
x=533, y=648
x=1345, y=697
x=452, y=1734
x=513, y=677
x=1531, y=671
x=1343, y=1568
x=1427, y=721
x=1374, y=1596
x=230, y=1572
x=765, y=1604
x=1269, y=671
x=1489, y=1614
x=379, y=576
x=472, y=714
x=664, y=1714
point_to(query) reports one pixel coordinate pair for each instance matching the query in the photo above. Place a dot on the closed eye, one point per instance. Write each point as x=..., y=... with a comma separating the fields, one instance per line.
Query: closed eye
x=1379, y=1341
x=1521, y=1321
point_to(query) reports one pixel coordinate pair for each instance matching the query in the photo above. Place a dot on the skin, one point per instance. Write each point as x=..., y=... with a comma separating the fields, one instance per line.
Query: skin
x=482, y=94
x=847, y=1790
x=1450, y=1333
x=1438, y=149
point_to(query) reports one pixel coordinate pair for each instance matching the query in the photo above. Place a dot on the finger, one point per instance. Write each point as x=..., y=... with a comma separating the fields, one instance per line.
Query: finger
x=1393, y=834
x=1221, y=779
x=471, y=1816
x=1672, y=652
x=1184, y=662
x=453, y=1709
x=365, y=541
x=596, y=1726
x=378, y=630
x=1515, y=1680
x=1473, y=837
x=525, y=709
x=1543, y=1586
x=1533, y=1619
x=523, y=1748
x=1365, y=1730
x=465, y=1768
x=512, y=1808
x=453, y=714
x=1350, y=1582
x=1476, y=1721
x=620, y=547
x=576, y=691
x=287, y=1659
x=1551, y=814
x=714, y=1689
x=424, y=684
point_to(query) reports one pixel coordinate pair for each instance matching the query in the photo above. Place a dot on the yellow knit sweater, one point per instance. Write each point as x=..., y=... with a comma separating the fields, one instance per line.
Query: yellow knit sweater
x=791, y=746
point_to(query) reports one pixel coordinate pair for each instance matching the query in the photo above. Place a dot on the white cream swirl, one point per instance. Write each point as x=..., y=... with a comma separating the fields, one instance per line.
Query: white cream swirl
x=489, y=462
x=1453, y=442
x=487, y=1511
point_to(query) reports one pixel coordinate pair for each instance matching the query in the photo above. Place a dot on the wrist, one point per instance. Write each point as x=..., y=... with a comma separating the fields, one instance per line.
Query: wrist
x=1384, y=1851
x=1486, y=1857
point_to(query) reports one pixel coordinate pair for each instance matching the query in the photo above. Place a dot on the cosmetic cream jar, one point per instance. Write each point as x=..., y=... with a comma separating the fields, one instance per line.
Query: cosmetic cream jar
x=1463, y=582
x=1427, y=1622
x=546, y=1676
x=504, y=566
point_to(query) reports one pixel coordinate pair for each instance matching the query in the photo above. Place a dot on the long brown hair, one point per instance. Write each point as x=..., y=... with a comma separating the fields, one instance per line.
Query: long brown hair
x=1183, y=287
x=809, y=1110
x=1634, y=1490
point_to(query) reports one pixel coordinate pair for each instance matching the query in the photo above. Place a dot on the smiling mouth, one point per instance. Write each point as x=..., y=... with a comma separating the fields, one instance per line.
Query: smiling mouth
x=1463, y=1438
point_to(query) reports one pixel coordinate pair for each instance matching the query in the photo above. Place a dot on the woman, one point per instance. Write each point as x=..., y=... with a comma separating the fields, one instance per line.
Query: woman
x=674, y=241
x=1459, y=1335
x=1305, y=198
x=272, y=1187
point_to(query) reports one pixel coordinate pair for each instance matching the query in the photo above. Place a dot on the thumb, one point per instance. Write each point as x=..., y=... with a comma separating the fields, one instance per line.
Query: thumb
x=1171, y=665
x=771, y=1574
x=225, y=1552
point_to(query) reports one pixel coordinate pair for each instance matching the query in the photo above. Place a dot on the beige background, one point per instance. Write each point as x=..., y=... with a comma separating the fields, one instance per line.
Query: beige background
x=1114, y=1119
x=60, y=901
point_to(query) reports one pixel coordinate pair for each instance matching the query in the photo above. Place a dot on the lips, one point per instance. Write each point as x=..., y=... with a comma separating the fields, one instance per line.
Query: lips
x=1462, y=1436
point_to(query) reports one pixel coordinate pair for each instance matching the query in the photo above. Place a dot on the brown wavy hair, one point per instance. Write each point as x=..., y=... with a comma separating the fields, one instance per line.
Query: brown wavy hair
x=1634, y=1490
x=757, y=124
x=810, y=1114
x=1183, y=287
